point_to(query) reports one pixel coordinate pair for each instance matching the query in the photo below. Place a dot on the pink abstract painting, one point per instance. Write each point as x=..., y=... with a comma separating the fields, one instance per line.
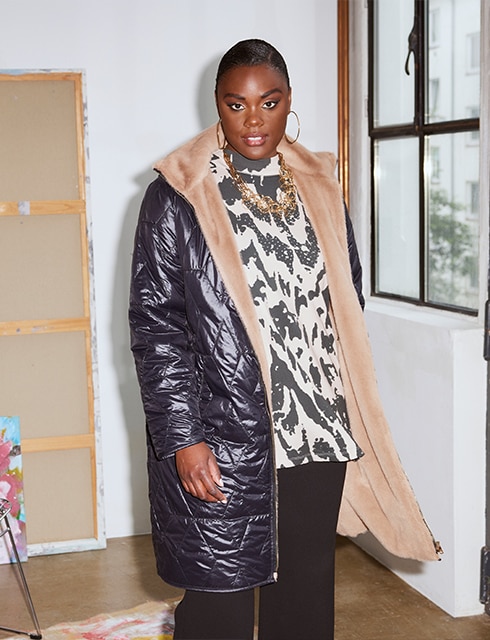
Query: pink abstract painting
x=11, y=487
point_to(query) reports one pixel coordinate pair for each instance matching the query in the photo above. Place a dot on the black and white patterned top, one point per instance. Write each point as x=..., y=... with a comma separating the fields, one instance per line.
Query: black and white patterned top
x=288, y=282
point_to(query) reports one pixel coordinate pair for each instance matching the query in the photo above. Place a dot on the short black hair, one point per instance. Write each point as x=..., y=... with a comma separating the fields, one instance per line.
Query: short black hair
x=250, y=53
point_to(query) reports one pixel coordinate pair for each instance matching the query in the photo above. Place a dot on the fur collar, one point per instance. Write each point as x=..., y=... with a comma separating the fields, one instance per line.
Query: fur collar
x=187, y=175
x=377, y=495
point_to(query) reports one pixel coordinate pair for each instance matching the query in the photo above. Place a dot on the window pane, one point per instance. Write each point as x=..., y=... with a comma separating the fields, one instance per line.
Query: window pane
x=453, y=206
x=453, y=37
x=393, y=90
x=397, y=211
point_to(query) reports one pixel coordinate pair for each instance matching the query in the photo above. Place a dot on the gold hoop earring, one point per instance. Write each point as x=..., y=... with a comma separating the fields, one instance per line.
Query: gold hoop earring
x=220, y=146
x=291, y=140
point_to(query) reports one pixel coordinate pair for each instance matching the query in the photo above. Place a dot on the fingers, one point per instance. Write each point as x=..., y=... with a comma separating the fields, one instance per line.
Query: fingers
x=201, y=485
x=208, y=490
x=204, y=488
x=214, y=471
x=199, y=473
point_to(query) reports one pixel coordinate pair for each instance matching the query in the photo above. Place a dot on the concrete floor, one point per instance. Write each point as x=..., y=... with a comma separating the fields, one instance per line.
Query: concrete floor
x=372, y=603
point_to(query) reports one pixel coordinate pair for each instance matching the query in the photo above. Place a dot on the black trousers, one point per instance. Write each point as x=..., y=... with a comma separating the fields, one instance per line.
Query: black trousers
x=301, y=603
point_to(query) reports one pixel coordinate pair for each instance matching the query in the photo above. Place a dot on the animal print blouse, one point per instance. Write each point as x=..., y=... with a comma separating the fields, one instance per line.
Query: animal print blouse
x=287, y=278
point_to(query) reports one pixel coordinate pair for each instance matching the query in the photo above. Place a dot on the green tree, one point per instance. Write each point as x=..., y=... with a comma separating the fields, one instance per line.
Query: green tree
x=452, y=251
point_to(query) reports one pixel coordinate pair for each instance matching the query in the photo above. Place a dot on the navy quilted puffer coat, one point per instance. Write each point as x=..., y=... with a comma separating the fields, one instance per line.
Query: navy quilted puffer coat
x=200, y=380
x=193, y=324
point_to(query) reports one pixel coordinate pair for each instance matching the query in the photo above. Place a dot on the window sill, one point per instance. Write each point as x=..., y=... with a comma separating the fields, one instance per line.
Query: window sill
x=423, y=315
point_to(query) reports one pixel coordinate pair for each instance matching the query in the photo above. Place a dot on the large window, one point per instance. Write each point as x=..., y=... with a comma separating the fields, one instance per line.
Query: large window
x=424, y=91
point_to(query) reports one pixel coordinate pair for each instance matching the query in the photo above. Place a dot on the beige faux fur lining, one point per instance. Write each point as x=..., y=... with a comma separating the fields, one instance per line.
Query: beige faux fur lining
x=377, y=495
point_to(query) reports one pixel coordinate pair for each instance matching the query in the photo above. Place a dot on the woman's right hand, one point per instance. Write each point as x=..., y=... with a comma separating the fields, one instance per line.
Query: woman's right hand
x=199, y=472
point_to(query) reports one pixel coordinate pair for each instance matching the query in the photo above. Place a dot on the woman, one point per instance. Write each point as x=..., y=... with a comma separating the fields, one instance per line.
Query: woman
x=255, y=372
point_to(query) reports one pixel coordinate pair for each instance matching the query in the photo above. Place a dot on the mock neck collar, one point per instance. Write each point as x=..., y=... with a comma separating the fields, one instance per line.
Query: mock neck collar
x=247, y=165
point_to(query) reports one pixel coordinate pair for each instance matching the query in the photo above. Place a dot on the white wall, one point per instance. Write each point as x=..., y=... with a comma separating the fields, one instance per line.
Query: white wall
x=432, y=379
x=149, y=69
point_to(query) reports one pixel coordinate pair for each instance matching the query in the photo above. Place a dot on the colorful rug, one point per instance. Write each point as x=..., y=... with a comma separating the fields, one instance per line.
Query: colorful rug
x=149, y=621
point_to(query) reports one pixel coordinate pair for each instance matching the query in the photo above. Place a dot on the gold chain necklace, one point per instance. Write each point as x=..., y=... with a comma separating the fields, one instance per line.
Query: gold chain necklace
x=265, y=204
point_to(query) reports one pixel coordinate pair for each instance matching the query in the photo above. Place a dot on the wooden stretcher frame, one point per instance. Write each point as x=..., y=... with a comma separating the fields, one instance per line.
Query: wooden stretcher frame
x=84, y=324
x=343, y=93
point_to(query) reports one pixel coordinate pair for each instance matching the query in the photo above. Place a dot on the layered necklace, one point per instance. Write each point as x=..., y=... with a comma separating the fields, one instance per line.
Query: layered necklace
x=285, y=204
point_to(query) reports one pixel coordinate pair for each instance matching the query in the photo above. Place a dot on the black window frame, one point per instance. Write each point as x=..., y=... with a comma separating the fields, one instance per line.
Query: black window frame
x=419, y=128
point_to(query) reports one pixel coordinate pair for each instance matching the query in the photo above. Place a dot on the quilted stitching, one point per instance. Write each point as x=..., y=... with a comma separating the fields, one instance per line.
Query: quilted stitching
x=198, y=375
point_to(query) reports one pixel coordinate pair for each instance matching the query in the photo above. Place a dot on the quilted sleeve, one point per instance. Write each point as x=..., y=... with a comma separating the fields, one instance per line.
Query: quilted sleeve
x=160, y=339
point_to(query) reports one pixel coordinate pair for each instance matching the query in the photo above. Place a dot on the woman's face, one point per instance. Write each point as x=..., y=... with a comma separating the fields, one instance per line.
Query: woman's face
x=253, y=104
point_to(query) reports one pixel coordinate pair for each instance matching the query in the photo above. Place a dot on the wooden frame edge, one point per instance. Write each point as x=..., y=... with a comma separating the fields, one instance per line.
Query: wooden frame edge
x=90, y=440
x=343, y=94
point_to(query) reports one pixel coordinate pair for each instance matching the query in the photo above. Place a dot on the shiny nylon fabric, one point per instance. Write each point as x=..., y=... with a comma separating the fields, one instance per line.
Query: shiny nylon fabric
x=200, y=381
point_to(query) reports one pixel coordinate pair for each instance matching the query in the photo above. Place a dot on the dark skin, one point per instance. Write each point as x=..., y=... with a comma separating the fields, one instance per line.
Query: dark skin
x=199, y=472
x=253, y=104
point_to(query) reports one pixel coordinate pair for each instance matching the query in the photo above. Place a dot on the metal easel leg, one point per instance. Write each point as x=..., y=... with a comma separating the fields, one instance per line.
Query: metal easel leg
x=4, y=511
